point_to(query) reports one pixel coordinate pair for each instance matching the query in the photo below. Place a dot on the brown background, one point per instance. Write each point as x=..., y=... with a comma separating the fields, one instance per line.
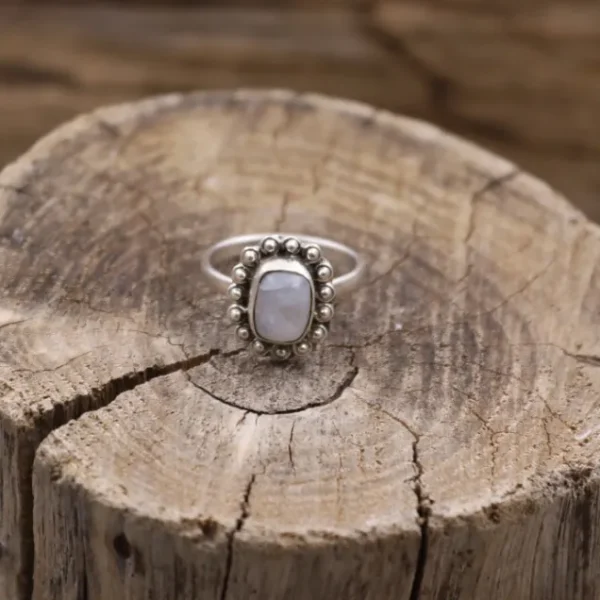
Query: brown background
x=521, y=78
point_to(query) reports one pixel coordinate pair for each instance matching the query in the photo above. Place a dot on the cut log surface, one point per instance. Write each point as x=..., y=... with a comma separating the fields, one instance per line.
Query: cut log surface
x=443, y=443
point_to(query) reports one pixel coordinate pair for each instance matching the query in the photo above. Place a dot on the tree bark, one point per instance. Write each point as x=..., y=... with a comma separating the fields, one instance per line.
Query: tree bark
x=443, y=443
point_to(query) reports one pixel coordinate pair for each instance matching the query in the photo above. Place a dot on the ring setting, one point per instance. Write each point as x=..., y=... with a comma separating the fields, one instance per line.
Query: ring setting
x=283, y=296
x=282, y=289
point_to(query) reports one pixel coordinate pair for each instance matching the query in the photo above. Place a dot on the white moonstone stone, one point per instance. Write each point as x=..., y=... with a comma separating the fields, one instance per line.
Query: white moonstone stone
x=282, y=309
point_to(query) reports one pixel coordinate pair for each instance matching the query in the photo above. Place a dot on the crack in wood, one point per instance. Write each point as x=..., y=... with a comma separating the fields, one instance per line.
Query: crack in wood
x=290, y=443
x=239, y=525
x=99, y=397
x=281, y=219
x=83, y=588
x=423, y=512
x=586, y=359
x=423, y=500
x=87, y=304
x=58, y=367
x=492, y=184
x=13, y=323
x=340, y=389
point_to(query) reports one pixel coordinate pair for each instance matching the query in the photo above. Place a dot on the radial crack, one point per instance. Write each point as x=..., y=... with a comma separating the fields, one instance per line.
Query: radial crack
x=239, y=524
x=290, y=443
x=548, y=436
x=423, y=512
x=97, y=398
x=423, y=501
x=476, y=197
x=587, y=359
x=557, y=416
x=13, y=323
x=57, y=368
x=287, y=199
x=343, y=386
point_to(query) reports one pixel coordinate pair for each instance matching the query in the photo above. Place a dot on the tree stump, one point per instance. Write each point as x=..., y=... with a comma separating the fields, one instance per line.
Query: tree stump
x=442, y=444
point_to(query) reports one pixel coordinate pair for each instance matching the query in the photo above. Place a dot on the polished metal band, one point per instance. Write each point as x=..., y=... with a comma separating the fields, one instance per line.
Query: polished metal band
x=342, y=257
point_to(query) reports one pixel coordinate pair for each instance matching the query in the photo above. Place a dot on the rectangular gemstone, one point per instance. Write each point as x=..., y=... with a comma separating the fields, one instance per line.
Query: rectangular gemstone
x=283, y=306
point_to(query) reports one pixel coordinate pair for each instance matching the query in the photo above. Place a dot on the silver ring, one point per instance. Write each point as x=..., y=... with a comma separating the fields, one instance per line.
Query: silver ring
x=283, y=288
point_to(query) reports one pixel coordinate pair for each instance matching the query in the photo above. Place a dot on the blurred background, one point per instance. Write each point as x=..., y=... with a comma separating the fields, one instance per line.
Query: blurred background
x=521, y=77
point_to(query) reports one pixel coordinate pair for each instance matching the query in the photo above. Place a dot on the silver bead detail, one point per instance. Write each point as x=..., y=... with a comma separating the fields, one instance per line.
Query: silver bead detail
x=235, y=313
x=249, y=257
x=235, y=292
x=313, y=253
x=292, y=245
x=302, y=348
x=243, y=333
x=270, y=245
x=319, y=333
x=324, y=313
x=326, y=293
x=282, y=353
x=258, y=346
x=239, y=274
x=324, y=273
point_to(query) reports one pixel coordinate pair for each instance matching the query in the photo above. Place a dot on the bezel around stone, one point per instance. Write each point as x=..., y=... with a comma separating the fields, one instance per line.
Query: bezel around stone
x=277, y=253
x=281, y=264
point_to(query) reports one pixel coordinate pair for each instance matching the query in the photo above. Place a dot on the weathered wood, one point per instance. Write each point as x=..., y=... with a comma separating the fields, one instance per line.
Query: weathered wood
x=521, y=78
x=443, y=444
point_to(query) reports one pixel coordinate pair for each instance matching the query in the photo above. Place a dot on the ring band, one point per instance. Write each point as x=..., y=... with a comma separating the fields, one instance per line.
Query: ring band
x=232, y=246
x=283, y=288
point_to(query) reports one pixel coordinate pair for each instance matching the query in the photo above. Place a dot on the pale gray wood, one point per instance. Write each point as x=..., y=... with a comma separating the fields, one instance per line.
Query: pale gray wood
x=444, y=442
